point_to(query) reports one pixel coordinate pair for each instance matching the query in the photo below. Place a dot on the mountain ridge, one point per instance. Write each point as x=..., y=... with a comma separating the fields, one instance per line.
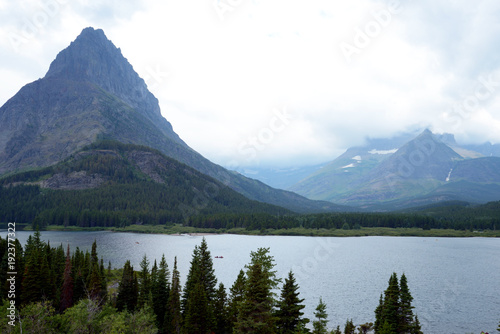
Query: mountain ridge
x=90, y=93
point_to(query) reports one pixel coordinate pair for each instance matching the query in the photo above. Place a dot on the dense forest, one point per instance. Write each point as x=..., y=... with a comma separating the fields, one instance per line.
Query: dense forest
x=55, y=291
x=110, y=184
x=115, y=184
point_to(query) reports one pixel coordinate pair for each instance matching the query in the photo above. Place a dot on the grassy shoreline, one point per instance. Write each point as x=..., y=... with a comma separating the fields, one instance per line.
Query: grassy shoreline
x=364, y=231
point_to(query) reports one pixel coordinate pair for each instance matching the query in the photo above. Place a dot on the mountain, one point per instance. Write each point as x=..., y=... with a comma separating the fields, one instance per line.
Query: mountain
x=427, y=169
x=90, y=93
x=280, y=178
x=340, y=176
x=111, y=184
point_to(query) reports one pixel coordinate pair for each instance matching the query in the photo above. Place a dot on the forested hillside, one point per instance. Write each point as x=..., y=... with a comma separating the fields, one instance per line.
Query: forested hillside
x=113, y=184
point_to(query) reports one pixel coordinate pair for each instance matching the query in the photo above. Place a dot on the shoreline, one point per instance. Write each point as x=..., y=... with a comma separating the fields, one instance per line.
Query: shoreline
x=177, y=230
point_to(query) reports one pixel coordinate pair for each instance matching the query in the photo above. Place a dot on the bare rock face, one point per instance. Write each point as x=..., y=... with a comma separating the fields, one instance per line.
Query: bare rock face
x=90, y=91
x=73, y=181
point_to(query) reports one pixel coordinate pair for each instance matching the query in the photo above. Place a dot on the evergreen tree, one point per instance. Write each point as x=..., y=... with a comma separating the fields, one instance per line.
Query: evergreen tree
x=390, y=311
x=160, y=290
x=36, y=277
x=378, y=315
x=173, y=317
x=221, y=306
x=349, y=327
x=319, y=325
x=144, y=282
x=405, y=307
x=394, y=313
x=67, y=287
x=289, y=307
x=199, y=292
x=127, y=289
x=256, y=311
x=417, y=329
x=237, y=292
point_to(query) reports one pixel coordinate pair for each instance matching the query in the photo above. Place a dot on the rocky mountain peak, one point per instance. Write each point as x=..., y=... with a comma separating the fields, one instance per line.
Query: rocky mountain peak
x=93, y=58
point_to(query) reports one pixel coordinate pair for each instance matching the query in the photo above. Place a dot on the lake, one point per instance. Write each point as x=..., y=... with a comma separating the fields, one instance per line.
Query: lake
x=455, y=282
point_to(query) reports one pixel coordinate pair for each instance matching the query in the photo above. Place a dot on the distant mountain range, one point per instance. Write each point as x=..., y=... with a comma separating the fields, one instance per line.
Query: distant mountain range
x=92, y=93
x=389, y=174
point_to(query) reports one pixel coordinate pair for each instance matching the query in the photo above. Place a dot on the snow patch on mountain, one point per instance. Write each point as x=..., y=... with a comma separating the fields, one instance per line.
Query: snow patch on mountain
x=375, y=151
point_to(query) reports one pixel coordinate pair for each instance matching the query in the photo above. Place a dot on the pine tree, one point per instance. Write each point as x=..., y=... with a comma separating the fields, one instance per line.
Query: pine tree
x=405, y=307
x=256, y=311
x=199, y=292
x=349, y=327
x=160, y=290
x=144, y=282
x=67, y=287
x=417, y=329
x=173, y=317
x=289, y=307
x=391, y=303
x=379, y=315
x=127, y=289
x=237, y=292
x=221, y=307
x=394, y=313
x=319, y=325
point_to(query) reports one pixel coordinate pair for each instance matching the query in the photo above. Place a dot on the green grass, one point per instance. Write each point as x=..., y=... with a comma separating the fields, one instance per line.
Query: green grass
x=364, y=231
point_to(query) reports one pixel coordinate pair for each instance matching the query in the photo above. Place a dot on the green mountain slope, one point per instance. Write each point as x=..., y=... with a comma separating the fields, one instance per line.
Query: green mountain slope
x=113, y=184
x=91, y=92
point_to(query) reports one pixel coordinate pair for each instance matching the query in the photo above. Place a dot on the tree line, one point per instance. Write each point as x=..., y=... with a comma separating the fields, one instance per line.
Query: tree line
x=59, y=292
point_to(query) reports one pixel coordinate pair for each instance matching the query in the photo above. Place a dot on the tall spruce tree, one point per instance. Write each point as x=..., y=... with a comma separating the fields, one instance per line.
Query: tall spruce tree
x=199, y=292
x=160, y=287
x=319, y=325
x=289, y=311
x=67, y=287
x=144, y=282
x=405, y=307
x=256, y=311
x=236, y=295
x=127, y=289
x=394, y=313
x=173, y=316
x=221, y=315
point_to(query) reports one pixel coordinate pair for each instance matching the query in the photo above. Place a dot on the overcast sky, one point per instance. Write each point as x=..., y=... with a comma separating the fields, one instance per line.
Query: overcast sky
x=282, y=82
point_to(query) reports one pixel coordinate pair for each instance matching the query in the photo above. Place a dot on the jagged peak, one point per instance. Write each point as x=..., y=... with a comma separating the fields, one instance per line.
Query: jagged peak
x=93, y=58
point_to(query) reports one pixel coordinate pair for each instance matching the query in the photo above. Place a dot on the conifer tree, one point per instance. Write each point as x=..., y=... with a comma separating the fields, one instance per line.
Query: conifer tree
x=173, y=317
x=256, y=311
x=67, y=287
x=144, y=282
x=405, y=307
x=199, y=292
x=237, y=292
x=390, y=311
x=127, y=289
x=319, y=325
x=160, y=289
x=394, y=313
x=289, y=307
x=349, y=327
x=221, y=306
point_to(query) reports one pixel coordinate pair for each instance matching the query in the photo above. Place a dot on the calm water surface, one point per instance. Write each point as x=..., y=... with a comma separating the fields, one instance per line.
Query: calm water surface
x=455, y=282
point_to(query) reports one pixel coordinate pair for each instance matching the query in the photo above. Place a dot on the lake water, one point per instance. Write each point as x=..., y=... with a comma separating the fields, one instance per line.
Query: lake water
x=455, y=282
